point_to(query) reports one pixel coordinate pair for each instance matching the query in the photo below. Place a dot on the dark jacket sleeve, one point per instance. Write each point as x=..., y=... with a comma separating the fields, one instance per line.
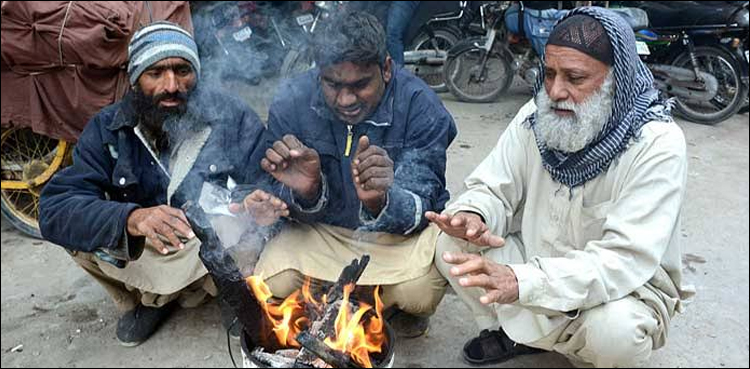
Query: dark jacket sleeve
x=279, y=126
x=74, y=211
x=248, y=143
x=419, y=179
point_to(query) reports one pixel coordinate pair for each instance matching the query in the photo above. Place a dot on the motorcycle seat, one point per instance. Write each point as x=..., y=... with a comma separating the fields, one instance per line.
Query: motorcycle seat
x=687, y=13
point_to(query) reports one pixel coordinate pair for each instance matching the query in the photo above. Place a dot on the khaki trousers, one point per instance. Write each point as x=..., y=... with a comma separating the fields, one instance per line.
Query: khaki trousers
x=127, y=297
x=615, y=334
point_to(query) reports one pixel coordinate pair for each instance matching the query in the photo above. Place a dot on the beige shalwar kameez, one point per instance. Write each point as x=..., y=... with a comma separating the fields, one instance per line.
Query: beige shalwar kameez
x=598, y=267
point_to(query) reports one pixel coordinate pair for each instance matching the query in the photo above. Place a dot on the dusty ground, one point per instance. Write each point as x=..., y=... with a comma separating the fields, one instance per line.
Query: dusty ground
x=63, y=318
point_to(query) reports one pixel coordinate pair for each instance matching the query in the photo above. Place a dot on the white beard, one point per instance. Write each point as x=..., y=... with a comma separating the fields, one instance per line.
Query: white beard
x=572, y=134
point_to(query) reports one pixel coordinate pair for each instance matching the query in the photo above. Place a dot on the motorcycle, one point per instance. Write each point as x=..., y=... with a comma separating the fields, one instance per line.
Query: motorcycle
x=480, y=69
x=300, y=57
x=240, y=40
x=437, y=27
x=698, y=54
x=704, y=66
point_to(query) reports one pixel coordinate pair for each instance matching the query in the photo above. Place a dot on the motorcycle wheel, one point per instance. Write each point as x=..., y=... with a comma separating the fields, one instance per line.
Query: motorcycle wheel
x=468, y=83
x=445, y=38
x=729, y=98
x=297, y=60
x=29, y=161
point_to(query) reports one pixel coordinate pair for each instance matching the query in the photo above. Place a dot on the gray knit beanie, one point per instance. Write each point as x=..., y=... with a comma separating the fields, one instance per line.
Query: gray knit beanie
x=159, y=41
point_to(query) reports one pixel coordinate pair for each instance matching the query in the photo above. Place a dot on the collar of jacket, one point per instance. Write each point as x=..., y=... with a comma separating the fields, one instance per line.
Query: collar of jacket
x=125, y=115
x=382, y=117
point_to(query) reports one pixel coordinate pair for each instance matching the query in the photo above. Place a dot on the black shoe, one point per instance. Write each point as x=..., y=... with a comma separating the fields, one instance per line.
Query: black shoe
x=492, y=347
x=408, y=325
x=137, y=325
x=229, y=319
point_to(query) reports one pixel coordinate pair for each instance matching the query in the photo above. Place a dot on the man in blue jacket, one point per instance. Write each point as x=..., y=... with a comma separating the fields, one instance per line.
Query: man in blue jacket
x=357, y=150
x=116, y=209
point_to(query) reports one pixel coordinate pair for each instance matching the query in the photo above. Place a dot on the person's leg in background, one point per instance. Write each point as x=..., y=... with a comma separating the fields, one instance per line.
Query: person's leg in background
x=400, y=14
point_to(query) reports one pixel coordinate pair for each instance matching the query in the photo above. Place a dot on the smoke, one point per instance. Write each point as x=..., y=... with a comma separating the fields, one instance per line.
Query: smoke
x=242, y=41
x=242, y=47
x=243, y=239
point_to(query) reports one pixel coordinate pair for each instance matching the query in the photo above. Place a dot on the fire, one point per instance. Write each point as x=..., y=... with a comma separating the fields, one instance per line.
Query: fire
x=288, y=318
x=351, y=335
x=354, y=337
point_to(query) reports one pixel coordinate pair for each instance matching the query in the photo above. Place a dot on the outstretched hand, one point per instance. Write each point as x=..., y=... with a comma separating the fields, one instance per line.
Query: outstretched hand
x=295, y=165
x=467, y=226
x=498, y=280
x=265, y=209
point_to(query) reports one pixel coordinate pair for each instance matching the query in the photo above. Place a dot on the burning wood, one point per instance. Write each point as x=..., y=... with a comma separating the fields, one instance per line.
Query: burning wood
x=335, y=330
x=276, y=360
x=335, y=359
x=332, y=332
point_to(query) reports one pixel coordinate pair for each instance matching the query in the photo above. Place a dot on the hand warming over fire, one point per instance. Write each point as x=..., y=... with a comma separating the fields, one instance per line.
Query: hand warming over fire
x=160, y=224
x=295, y=165
x=468, y=226
x=498, y=280
x=372, y=171
x=265, y=209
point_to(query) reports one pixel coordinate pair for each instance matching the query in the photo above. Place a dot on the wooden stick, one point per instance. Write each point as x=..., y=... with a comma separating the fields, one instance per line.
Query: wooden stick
x=272, y=360
x=332, y=357
x=229, y=281
x=325, y=325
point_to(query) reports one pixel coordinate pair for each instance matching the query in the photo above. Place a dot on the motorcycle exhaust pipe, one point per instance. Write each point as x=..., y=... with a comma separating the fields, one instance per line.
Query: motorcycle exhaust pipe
x=428, y=57
x=682, y=82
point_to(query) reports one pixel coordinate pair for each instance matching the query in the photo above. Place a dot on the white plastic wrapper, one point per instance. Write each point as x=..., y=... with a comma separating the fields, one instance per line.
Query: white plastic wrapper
x=215, y=200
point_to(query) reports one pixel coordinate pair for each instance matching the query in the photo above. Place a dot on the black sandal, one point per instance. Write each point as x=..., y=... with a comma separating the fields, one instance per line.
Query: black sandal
x=492, y=347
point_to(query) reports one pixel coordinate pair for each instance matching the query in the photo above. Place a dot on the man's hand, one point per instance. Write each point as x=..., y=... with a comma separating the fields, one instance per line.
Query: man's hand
x=372, y=171
x=467, y=226
x=295, y=165
x=498, y=280
x=160, y=223
x=265, y=209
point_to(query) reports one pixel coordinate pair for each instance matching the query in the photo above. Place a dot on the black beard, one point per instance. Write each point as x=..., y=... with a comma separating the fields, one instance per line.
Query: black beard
x=151, y=114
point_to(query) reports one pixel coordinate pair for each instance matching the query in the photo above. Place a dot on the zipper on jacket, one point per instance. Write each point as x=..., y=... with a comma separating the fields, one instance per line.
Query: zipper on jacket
x=349, y=138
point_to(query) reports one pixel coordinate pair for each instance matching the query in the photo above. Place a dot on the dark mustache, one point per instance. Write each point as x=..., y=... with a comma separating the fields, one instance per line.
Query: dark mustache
x=177, y=95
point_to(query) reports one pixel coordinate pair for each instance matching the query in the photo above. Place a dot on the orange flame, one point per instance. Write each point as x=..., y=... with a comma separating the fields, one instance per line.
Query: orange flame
x=352, y=336
x=288, y=318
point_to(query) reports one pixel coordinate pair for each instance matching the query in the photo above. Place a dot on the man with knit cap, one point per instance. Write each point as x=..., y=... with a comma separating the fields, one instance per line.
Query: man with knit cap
x=567, y=237
x=117, y=208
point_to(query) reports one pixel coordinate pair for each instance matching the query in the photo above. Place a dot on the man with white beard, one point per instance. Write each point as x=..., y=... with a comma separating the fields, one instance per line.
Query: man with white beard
x=567, y=237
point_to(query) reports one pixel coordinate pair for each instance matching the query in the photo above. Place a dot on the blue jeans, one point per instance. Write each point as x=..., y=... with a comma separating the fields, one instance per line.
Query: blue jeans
x=399, y=16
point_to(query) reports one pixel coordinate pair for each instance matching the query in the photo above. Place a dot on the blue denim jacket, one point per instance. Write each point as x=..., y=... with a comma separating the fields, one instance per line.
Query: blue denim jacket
x=86, y=205
x=410, y=123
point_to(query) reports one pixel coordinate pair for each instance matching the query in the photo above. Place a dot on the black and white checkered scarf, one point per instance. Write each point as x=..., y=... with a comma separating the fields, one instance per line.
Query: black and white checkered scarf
x=636, y=102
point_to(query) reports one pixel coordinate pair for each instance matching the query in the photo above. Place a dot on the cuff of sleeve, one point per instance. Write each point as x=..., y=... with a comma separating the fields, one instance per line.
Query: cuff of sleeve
x=367, y=218
x=313, y=207
x=530, y=283
x=402, y=213
x=126, y=247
